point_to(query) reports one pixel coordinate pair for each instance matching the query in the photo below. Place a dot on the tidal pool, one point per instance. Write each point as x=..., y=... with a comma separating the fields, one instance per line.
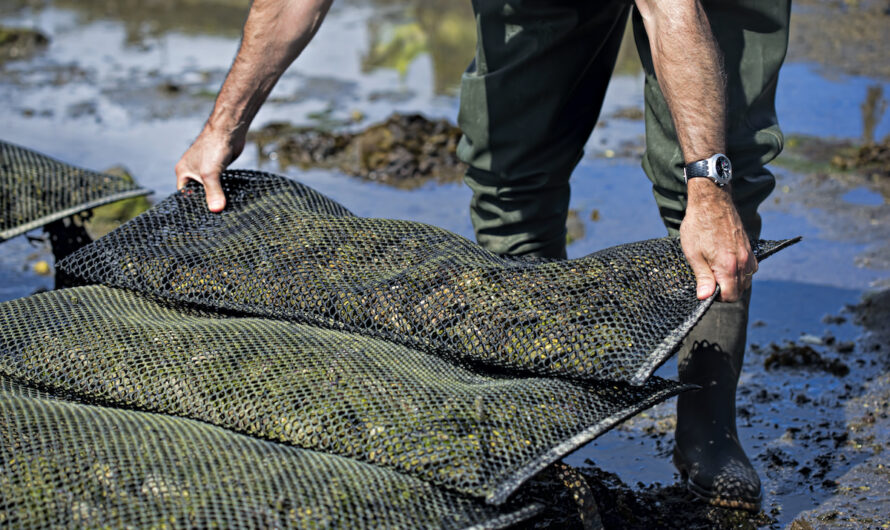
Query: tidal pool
x=131, y=83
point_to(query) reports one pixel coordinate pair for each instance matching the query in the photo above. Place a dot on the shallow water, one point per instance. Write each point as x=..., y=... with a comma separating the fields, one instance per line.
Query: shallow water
x=118, y=86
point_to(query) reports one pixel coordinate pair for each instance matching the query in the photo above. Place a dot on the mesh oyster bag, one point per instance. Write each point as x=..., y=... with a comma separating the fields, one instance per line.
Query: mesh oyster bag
x=335, y=392
x=36, y=190
x=67, y=464
x=281, y=250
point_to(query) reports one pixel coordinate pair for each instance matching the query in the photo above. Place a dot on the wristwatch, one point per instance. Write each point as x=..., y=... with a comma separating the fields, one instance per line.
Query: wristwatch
x=717, y=168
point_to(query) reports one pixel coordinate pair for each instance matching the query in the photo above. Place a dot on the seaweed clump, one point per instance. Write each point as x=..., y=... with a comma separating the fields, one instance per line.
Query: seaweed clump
x=20, y=43
x=872, y=158
x=803, y=356
x=405, y=151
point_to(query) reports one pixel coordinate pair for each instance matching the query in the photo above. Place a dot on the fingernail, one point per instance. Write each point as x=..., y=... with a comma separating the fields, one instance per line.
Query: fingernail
x=703, y=291
x=215, y=204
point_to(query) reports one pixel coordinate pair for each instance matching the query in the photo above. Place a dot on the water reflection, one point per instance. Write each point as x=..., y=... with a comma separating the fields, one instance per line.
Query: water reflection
x=145, y=21
x=399, y=31
x=444, y=30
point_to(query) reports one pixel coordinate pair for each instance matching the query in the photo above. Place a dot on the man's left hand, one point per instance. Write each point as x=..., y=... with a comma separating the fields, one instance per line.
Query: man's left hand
x=715, y=243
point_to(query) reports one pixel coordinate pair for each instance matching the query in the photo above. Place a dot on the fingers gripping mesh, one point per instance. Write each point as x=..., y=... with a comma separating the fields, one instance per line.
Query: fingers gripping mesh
x=321, y=389
x=66, y=464
x=282, y=250
x=36, y=190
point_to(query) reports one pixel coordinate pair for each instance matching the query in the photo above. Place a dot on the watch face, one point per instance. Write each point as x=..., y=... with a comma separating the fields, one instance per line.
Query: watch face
x=724, y=169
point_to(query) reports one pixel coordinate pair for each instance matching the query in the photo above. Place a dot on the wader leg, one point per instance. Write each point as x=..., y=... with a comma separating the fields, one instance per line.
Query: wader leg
x=707, y=451
x=528, y=104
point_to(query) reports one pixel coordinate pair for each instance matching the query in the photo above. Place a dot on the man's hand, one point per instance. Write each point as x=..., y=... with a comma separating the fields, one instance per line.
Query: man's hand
x=275, y=33
x=715, y=243
x=208, y=156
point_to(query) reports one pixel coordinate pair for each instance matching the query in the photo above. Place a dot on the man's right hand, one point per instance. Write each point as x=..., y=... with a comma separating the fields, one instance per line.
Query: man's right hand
x=208, y=156
x=714, y=241
x=275, y=33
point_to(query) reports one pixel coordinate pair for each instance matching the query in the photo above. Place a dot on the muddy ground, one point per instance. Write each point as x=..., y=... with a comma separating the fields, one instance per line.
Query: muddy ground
x=110, y=87
x=842, y=458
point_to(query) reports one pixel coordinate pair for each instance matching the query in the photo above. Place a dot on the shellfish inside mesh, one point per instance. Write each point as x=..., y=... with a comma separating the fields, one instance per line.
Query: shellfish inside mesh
x=72, y=465
x=36, y=190
x=282, y=250
x=298, y=384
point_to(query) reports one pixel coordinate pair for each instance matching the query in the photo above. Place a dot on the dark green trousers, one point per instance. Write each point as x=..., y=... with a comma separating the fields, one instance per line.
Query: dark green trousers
x=534, y=92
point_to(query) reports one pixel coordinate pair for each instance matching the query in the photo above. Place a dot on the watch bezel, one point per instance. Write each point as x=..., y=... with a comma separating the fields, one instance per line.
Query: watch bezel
x=713, y=174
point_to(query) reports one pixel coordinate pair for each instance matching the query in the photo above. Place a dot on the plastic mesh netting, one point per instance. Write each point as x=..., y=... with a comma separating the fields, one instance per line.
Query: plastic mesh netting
x=74, y=465
x=288, y=364
x=36, y=190
x=320, y=389
x=282, y=250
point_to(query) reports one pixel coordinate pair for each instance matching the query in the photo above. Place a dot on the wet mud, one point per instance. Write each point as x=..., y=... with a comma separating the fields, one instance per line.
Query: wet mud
x=844, y=188
x=831, y=443
x=846, y=35
x=620, y=506
x=405, y=151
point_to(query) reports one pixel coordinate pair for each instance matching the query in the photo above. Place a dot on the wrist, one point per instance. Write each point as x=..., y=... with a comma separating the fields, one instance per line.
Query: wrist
x=703, y=190
x=224, y=126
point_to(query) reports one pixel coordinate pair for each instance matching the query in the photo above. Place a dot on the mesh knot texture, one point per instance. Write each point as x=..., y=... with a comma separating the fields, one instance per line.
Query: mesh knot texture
x=36, y=190
x=326, y=390
x=281, y=250
x=288, y=364
x=68, y=464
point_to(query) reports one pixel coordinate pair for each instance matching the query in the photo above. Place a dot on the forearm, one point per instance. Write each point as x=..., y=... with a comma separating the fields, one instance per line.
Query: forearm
x=689, y=68
x=275, y=34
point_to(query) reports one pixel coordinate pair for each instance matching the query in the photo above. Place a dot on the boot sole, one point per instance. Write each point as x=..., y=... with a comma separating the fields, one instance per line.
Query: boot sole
x=713, y=498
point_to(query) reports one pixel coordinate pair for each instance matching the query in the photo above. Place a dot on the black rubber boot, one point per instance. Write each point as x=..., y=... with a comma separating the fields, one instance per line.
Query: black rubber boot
x=707, y=451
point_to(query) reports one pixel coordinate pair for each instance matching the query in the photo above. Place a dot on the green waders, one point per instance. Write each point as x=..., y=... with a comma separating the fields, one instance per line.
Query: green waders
x=529, y=102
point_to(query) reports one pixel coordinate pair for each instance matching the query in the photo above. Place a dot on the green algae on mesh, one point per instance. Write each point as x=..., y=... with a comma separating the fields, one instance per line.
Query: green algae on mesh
x=469, y=306
x=405, y=151
x=36, y=190
x=108, y=217
x=848, y=36
x=314, y=388
x=75, y=465
x=281, y=250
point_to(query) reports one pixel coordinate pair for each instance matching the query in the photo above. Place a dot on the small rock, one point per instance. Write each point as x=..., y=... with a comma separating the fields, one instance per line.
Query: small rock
x=833, y=319
x=811, y=339
x=846, y=346
x=42, y=268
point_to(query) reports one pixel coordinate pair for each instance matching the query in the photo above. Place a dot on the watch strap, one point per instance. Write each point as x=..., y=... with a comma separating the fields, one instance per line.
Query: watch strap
x=698, y=169
x=716, y=168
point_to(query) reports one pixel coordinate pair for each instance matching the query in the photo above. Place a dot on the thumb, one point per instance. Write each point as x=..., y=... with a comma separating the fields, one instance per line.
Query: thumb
x=705, y=281
x=216, y=199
